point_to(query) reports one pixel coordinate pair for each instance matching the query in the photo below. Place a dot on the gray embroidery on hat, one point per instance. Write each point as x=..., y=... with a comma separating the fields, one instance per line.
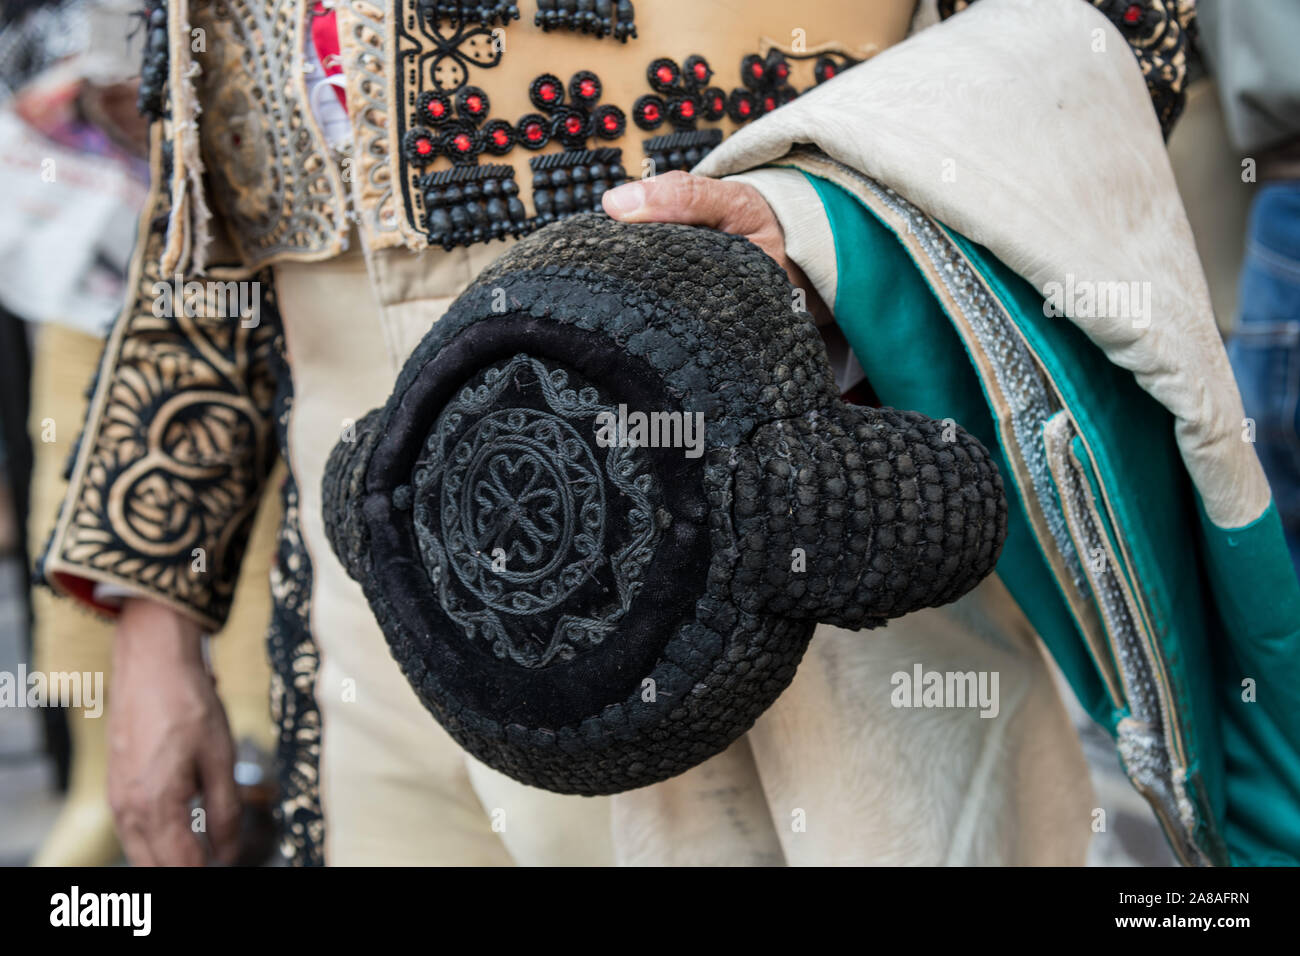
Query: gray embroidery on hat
x=511, y=509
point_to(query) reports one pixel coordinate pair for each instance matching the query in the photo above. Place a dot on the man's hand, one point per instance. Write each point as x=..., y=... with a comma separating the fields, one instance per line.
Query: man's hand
x=168, y=742
x=732, y=207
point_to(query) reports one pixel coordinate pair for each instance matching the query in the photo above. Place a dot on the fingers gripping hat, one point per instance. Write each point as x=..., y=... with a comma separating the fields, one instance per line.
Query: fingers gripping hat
x=589, y=606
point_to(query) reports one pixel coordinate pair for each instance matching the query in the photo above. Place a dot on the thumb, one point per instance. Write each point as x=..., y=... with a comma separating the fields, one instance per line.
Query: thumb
x=221, y=798
x=673, y=197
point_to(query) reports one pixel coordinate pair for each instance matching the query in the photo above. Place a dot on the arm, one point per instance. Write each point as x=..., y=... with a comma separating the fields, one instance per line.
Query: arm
x=177, y=442
x=164, y=484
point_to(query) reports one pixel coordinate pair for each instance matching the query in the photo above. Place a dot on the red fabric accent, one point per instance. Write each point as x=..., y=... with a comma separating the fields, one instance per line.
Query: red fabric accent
x=325, y=38
x=83, y=590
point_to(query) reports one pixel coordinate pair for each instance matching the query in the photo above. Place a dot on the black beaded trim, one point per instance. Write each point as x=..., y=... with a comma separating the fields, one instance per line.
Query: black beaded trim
x=742, y=106
x=663, y=75
x=767, y=80
x=696, y=72
x=608, y=122
x=573, y=181
x=463, y=12
x=153, y=68
x=546, y=92
x=649, y=112
x=421, y=146
x=599, y=18
x=571, y=127
x=533, y=131
x=585, y=88
x=472, y=103
x=681, y=150
x=434, y=107
x=714, y=103
x=498, y=137
x=470, y=204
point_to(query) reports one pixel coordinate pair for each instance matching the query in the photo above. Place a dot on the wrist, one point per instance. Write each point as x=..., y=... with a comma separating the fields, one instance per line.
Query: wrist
x=148, y=627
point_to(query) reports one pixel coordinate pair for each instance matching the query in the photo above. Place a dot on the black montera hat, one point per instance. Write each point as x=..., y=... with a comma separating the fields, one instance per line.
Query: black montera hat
x=587, y=590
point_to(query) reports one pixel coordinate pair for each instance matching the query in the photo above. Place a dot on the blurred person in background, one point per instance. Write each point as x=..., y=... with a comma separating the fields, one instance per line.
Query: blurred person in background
x=1252, y=47
x=73, y=150
x=293, y=151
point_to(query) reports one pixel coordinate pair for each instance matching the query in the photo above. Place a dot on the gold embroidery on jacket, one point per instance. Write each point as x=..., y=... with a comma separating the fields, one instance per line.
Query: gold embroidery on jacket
x=177, y=440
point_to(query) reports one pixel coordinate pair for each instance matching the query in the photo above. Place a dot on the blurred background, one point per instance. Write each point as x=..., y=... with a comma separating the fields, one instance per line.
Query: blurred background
x=72, y=180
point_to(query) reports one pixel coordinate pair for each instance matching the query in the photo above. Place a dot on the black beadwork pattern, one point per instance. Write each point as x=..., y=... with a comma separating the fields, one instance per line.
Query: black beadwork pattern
x=684, y=96
x=681, y=150
x=153, y=69
x=894, y=511
x=600, y=18
x=572, y=181
x=485, y=13
x=470, y=203
x=438, y=42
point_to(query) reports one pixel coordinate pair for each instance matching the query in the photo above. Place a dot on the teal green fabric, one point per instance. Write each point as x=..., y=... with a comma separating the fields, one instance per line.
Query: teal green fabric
x=1205, y=586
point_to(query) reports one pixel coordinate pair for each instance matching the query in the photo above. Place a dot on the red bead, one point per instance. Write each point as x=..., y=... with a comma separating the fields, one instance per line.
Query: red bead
x=665, y=74
x=573, y=124
x=500, y=137
x=1133, y=14
x=652, y=113
x=588, y=88
x=463, y=143
x=548, y=92
x=437, y=109
x=744, y=107
x=830, y=72
x=688, y=109
x=423, y=147
x=533, y=131
x=757, y=69
x=474, y=103
x=701, y=71
x=611, y=123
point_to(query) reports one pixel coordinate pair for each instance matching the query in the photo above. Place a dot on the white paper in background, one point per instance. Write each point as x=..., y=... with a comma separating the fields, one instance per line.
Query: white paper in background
x=64, y=243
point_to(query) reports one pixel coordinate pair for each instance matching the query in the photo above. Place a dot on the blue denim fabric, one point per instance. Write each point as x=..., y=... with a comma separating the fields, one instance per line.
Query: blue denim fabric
x=1265, y=348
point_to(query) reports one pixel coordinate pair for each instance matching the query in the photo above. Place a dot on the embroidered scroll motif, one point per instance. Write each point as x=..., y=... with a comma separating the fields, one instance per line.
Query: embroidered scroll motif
x=176, y=445
x=522, y=487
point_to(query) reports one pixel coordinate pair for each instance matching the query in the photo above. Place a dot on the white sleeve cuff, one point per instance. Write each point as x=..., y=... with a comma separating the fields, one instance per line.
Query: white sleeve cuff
x=112, y=595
